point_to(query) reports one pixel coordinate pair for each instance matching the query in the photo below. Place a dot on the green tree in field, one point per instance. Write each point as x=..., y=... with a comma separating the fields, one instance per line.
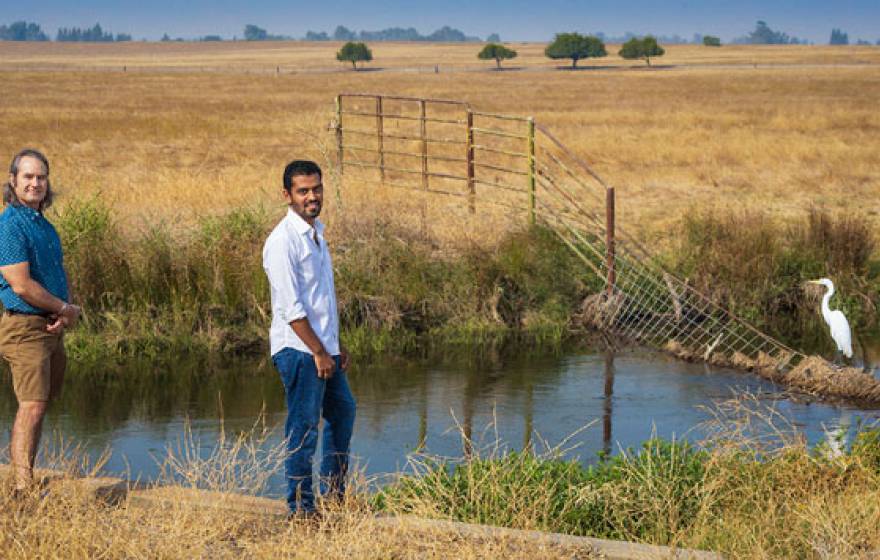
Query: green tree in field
x=575, y=46
x=711, y=41
x=354, y=53
x=498, y=52
x=641, y=48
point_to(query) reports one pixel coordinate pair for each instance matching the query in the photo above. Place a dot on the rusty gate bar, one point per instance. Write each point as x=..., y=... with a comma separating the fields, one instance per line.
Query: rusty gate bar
x=471, y=185
x=403, y=117
x=407, y=98
x=531, y=181
x=380, y=126
x=340, y=156
x=423, y=133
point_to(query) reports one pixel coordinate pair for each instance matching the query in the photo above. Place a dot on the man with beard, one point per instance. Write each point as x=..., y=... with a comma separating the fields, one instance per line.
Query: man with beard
x=35, y=296
x=304, y=339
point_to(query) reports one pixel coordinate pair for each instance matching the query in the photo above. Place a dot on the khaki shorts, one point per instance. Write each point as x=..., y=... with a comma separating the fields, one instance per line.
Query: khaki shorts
x=36, y=357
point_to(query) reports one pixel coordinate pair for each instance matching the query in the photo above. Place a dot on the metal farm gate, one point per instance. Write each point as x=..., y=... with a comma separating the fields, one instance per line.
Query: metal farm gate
x=447, y=148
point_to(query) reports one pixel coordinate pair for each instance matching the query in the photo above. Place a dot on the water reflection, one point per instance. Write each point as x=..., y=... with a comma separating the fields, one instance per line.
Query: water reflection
x=446, y=406
x=607, y=403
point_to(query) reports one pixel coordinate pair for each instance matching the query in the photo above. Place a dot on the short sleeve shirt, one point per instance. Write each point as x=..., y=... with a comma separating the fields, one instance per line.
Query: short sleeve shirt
x=26, y=236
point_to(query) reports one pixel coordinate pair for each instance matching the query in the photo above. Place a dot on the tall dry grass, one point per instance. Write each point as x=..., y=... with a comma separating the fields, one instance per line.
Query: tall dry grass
x=167, y=147
x=64, y=519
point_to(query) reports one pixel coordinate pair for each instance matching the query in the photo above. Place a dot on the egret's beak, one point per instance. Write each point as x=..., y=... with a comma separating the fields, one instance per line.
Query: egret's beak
x=813, y=282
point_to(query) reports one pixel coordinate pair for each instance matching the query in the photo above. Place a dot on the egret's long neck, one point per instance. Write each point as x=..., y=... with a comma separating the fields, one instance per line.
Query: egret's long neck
x=826, y=309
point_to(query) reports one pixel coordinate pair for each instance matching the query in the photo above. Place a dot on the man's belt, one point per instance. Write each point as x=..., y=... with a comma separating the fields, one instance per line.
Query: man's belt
x=14, y=312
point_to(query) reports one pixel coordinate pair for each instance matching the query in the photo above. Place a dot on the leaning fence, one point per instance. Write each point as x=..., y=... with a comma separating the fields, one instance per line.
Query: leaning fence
x=446, y=148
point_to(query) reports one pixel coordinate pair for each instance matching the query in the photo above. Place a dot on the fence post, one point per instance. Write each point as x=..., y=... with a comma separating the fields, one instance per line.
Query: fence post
x=609, y=242
x=380, y=133
x=532, y=214
x=423, y=134
x=340, y=154
x=471, y=185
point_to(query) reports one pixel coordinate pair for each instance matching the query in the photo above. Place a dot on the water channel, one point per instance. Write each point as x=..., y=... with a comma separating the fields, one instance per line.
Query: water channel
x=601, y=400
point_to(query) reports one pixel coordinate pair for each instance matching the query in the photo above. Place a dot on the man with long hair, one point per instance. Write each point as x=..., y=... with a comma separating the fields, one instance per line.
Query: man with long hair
x=36, y=300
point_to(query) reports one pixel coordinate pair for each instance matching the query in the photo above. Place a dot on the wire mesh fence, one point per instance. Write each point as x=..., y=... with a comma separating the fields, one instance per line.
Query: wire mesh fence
x=444, y=147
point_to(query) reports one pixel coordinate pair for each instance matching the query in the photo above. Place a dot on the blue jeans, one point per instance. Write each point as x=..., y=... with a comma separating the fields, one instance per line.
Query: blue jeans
x=308, y=399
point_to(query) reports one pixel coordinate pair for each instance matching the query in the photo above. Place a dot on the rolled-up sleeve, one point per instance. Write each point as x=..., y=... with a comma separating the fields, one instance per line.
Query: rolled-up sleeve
x=287, y=301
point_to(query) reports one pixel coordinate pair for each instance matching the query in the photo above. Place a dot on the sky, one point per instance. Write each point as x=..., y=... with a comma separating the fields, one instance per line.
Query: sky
x=514, y=20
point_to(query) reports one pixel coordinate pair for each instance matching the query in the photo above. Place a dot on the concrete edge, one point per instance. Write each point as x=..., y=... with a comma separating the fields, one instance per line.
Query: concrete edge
x=612, y=550
x=116, y=490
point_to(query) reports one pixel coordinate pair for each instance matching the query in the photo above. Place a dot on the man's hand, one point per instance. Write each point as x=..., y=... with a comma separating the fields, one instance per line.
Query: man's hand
x=56, y=324
x=326, y=364
x=67, y=318
x=70, y=314
x=344, y=359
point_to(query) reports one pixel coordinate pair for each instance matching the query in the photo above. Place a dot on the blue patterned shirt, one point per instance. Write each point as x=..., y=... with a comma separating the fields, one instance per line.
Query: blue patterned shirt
x=26, y=236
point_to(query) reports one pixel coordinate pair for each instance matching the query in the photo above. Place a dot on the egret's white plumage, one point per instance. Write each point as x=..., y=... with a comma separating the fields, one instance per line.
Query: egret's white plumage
x=836, y=320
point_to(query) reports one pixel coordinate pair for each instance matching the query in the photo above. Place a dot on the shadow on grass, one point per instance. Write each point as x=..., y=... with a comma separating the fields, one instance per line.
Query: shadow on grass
x=587, y=68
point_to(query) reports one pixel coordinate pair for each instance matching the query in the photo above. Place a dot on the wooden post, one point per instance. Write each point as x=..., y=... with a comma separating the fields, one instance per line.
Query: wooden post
x=380, y=137
x=471, y=184
x=340, y=154
x=609, y=241
x=532, y=212
x=423, y=134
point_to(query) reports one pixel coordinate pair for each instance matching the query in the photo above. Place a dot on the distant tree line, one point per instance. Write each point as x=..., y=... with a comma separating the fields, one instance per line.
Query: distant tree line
x=25, y=31
x=444, y=34
x=764, y=35
x=94, y=34
x=254, y=33
x=22, y=31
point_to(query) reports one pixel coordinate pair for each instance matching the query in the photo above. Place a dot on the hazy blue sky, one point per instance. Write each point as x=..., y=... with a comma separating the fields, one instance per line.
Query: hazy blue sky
x=526, y=20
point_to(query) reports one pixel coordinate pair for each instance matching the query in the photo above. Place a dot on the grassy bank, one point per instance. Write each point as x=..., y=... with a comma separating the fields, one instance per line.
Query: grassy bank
x=164, y=291
x=743, y=497
x=203, y=290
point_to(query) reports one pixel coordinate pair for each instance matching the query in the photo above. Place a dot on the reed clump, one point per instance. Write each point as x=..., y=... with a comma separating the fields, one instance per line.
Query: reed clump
x=757, y=266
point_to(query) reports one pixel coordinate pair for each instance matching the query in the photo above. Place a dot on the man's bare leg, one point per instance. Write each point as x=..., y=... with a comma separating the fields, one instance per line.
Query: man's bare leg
x=25, y=440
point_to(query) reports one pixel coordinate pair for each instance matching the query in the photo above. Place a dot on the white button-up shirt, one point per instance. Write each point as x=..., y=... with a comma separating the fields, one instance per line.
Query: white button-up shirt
x=301, y=283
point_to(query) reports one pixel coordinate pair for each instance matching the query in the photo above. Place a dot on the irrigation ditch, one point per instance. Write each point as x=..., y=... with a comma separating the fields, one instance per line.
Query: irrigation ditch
x=446, y=148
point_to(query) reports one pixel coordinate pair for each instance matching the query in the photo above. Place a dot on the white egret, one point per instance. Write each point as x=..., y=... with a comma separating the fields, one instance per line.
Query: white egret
x=836, y=320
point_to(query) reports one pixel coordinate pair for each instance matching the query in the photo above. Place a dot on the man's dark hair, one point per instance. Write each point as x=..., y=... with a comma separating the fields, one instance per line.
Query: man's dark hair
x=9, y=193
x=297, y=168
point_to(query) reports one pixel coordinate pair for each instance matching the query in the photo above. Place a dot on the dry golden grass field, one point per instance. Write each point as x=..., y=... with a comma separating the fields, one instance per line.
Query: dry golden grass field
x=190, y=129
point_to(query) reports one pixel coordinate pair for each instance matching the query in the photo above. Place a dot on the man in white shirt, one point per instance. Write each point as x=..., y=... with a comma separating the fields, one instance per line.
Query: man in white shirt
x=304, y=339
